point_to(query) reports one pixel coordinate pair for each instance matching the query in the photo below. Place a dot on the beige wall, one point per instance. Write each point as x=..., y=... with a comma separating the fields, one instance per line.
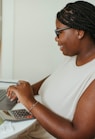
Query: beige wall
x=0, y=19
x=34, y=53
x=0, y=7
x=0, y=31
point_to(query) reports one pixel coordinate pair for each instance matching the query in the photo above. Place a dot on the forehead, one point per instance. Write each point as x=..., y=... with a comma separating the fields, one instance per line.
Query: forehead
x=59, y=24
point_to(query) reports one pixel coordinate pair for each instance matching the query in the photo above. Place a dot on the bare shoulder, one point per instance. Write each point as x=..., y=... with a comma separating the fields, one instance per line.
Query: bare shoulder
x=84, y=117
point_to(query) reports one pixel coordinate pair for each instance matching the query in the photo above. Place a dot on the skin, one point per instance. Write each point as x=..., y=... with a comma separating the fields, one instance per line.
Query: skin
x=83, y=124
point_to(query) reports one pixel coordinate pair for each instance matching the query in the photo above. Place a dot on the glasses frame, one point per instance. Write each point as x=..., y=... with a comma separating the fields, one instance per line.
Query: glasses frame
x=58, y=31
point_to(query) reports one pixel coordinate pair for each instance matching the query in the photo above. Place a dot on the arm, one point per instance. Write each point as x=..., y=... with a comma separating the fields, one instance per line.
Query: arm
x=34, y=89
x=36, y=86
x=81, y=127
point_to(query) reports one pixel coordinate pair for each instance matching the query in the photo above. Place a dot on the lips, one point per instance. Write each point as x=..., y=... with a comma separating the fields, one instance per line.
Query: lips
x=61, y=47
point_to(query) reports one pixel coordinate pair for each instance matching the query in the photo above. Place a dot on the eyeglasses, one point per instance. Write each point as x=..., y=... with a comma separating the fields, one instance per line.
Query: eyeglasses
x=58, y=31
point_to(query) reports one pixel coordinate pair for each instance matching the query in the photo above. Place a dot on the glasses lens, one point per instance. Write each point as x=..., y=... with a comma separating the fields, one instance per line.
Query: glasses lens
x=58, y=31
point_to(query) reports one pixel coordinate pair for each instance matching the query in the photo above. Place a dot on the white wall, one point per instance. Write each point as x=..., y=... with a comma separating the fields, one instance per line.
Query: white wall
x=0, y=19
x=6, y=67
x=0, y=30
x=35, y=52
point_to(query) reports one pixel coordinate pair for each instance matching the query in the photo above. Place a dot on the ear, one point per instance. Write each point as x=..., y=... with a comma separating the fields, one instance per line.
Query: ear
x=80, y=34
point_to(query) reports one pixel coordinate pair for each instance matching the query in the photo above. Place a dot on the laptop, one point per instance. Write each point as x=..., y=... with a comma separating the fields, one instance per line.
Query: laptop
x=5, y=103
x=6, y=111
x=15, y=115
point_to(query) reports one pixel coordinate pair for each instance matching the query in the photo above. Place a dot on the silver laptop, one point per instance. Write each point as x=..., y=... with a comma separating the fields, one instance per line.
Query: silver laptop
x=5, y=103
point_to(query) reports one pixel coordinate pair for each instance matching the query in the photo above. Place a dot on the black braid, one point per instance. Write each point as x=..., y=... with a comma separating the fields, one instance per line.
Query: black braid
x=79, y=15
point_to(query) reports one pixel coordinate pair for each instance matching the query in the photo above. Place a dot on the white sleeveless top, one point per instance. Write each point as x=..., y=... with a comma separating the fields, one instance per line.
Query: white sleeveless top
x=62, y=90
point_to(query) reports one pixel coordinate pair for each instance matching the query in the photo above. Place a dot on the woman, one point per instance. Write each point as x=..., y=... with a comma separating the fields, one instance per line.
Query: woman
x=68, y=95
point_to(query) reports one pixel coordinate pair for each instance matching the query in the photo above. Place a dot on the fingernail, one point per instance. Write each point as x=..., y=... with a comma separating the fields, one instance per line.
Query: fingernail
x=11, y=99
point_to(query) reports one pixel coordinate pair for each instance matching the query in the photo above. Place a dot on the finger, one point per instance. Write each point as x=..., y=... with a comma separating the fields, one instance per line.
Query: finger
x=18, y=101
x=20, y=82
x=12, y=96
x=11, y=92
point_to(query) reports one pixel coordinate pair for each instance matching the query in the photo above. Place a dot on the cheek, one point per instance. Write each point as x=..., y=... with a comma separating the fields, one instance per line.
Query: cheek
x=69, y=44
x=70, y=39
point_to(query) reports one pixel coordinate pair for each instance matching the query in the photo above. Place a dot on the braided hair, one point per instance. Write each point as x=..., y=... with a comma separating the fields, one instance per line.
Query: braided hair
x=79, y=15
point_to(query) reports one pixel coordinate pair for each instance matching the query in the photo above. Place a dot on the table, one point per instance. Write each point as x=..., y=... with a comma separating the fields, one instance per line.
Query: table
x=10, y=130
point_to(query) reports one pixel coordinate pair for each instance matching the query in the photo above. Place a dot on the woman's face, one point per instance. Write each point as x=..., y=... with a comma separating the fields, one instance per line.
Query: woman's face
x=67, y=39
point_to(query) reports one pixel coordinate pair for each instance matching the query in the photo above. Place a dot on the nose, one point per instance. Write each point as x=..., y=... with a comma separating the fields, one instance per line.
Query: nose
x=56, y=39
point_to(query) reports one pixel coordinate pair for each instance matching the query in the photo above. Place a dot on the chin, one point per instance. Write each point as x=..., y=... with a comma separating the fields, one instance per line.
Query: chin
x=64, y=53
x=67, y=54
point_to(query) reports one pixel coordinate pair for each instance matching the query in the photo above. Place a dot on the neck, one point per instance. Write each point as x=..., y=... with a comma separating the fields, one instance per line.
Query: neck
x=85, y=57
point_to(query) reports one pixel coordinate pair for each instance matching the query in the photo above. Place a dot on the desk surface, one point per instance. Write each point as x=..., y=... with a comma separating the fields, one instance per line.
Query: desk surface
x=10, y=130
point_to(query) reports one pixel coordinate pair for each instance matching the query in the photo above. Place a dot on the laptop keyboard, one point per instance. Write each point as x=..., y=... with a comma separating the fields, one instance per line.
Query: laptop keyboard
x=21, y=114
x=2, y=94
